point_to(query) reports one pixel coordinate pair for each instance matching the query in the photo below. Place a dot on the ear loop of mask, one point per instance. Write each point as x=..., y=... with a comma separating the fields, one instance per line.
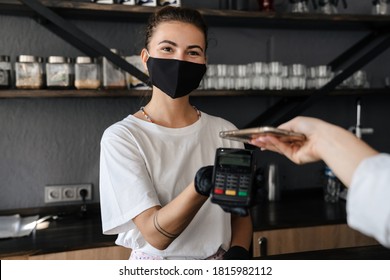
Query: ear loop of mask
x=147, y=53
x=149, y=81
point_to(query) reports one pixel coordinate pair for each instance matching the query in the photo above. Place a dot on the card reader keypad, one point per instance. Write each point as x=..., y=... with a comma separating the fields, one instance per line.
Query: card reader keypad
x=232, y=184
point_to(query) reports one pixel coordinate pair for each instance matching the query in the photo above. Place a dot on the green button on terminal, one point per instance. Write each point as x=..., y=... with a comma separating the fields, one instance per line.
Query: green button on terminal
x=242, y=193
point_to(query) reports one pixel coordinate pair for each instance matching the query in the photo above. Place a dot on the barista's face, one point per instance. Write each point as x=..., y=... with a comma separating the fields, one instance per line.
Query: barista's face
x=177, y=40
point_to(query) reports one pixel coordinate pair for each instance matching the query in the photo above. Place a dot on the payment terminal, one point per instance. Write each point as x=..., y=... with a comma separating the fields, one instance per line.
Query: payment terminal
x=233, y=177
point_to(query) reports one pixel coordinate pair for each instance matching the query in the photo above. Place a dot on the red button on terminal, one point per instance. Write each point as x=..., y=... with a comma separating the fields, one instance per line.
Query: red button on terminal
x=218, y=191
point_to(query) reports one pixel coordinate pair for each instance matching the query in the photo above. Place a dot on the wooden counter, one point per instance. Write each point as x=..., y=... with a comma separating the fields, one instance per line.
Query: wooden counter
x=70, y=236
x=299, y=222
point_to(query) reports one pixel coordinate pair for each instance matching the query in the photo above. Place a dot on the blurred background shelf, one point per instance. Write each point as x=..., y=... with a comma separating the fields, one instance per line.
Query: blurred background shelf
x=254, y=19
x=45, y=93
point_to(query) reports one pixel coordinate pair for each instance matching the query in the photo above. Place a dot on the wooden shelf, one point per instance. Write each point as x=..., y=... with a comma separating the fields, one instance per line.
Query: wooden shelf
x=225, y=18
x=254, y=19
x=45, y=93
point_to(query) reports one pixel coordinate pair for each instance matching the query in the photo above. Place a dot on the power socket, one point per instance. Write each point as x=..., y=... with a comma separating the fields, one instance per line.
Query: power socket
x=66, y=193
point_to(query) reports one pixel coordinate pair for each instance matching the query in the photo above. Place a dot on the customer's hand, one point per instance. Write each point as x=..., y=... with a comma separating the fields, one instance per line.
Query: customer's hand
x=203, y=180
x=299, y=152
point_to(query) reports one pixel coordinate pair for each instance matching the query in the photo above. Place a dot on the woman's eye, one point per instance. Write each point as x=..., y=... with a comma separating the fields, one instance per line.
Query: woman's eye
x=193, y=53
x=167, y=49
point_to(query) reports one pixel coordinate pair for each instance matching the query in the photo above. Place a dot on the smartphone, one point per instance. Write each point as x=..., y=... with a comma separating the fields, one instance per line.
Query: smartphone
x=245, y=135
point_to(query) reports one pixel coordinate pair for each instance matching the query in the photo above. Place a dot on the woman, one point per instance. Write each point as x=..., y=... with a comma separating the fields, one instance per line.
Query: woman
x=149, y=159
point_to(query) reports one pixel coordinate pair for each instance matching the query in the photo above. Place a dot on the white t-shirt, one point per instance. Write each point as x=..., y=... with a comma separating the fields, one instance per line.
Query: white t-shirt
x=143, y=165
x=368, y=201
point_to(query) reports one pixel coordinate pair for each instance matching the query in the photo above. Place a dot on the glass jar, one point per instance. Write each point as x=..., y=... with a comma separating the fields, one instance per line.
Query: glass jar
x=175, y=3
x=28, y=72
x=59, y=72
x=266, y=5
x=87, y=73
x=332, y=186
x=128, y=2
x=380, y=7
x=149, y=3
x=113, y=76
x=5, y=71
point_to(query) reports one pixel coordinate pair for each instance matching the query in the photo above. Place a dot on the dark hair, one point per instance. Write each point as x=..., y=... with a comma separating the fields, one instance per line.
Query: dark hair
x=170, y=13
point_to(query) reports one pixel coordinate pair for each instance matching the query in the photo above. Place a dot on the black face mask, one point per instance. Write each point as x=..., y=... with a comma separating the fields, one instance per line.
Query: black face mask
x=176, y=78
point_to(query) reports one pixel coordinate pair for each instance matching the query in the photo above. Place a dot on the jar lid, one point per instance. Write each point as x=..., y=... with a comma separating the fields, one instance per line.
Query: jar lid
x=4, y=58
x=57, y=59
x=84, y=59
x=27, y=58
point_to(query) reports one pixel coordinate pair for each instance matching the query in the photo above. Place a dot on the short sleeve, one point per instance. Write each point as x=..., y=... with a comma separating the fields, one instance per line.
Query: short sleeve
x=126, y=189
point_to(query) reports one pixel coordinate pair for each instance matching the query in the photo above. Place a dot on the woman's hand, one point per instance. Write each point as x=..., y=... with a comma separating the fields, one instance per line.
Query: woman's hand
x=203, y=180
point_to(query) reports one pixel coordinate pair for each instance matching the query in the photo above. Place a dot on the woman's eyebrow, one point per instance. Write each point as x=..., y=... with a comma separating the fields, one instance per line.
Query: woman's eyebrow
x=168, y=42
x=174, y=44
x=195, y=47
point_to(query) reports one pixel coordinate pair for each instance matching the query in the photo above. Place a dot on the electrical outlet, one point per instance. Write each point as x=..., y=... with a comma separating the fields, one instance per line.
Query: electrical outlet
x=53, y=194
x=65, y=193
x=87, y=187
x=68, y=193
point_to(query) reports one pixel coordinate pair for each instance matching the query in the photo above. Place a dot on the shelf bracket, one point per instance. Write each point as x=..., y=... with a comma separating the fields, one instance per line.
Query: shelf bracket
x=79, y=39
x=337, y=63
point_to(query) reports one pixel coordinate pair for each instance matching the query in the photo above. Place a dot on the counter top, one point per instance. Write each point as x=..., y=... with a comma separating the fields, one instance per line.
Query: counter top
x=70, y=231
x=301, y=208
x=375, y=252
x=73, y=232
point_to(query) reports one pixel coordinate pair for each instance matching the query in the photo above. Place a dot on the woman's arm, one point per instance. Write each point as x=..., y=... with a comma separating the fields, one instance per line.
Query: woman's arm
x=242, y=231
x=161, y=225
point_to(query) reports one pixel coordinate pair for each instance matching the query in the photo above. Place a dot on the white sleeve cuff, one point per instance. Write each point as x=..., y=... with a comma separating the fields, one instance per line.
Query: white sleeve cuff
x=368, y=201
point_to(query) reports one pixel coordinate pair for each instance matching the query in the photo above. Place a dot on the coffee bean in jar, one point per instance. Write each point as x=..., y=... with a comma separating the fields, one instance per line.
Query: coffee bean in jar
x=59, y=72
x=5, y=72
x=87, y=73
x=28, y=72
